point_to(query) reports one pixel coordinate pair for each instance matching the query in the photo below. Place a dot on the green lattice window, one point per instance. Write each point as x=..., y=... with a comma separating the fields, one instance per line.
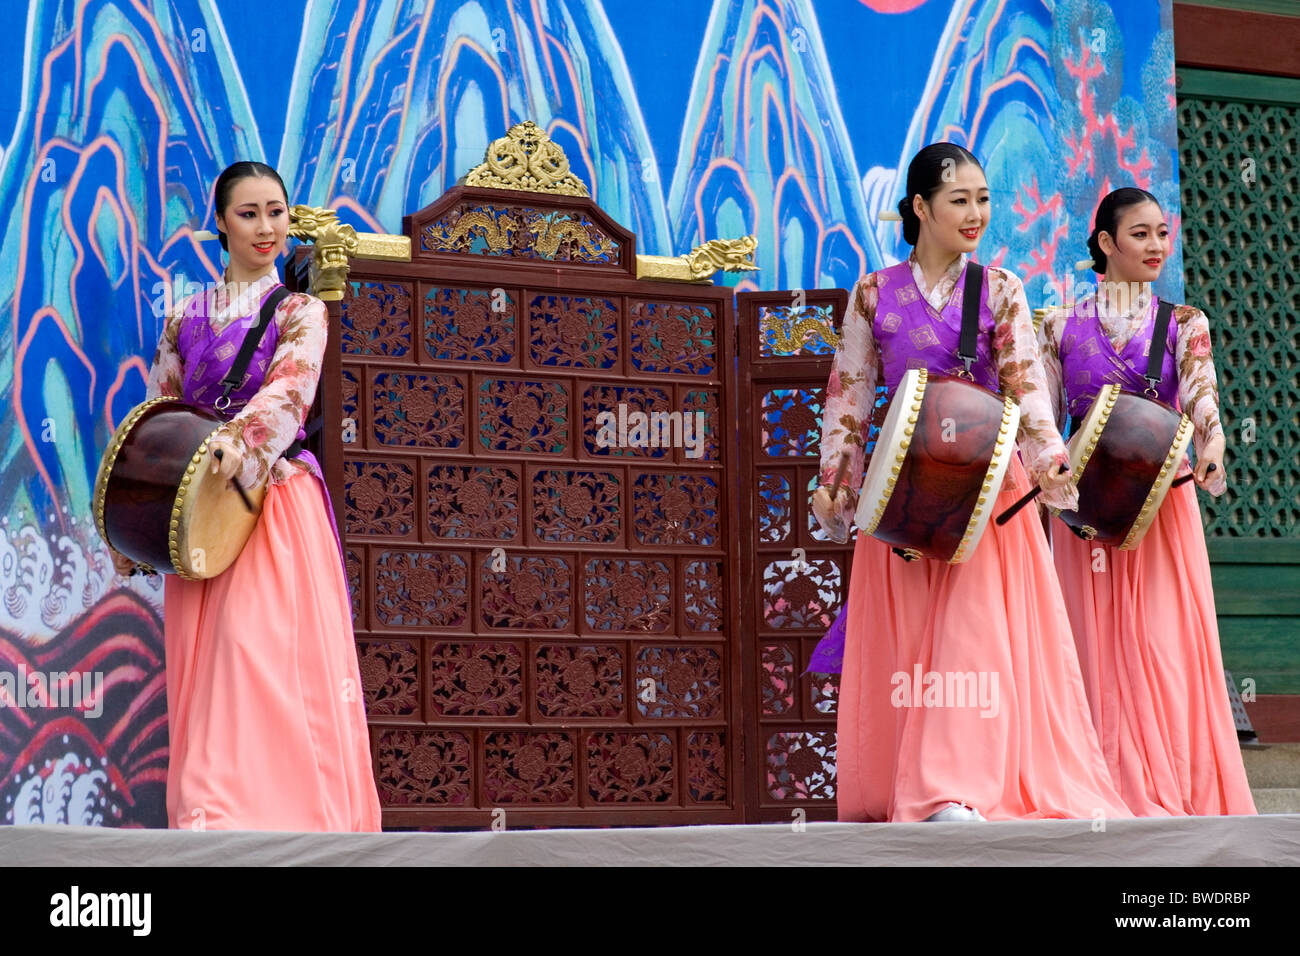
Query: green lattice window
x=1239, y=166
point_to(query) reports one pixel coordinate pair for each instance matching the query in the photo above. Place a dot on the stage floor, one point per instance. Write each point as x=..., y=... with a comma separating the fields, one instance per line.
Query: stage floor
x=1267, y=840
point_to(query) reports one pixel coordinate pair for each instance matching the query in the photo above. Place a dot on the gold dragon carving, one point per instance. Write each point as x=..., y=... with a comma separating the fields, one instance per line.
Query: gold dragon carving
x=789, y=339
x=526, y=159
x=335, y=243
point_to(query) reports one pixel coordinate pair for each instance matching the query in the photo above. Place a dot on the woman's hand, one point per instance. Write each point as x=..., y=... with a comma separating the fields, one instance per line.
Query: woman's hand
x=226, y=459
x=1054, y=478
x=835, y=515
x=1211, y=454
x=123, y=565
x=1058, y=490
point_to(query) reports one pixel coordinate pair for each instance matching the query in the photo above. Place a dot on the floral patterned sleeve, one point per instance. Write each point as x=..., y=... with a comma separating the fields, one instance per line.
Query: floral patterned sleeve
x=1198, y=390
x=167, y=374
x=1020, y=375
x=1049, y=353
x=851, y=394
x=269, y=423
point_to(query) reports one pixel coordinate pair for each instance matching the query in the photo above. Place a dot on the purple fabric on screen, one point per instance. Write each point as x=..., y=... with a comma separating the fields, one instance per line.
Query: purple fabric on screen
x=912, y=334
x=1089, y=360
x=828, y=655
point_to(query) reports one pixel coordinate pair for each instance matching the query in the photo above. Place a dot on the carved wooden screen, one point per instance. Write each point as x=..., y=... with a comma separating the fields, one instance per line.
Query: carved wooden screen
x=545, y=610
x=792, y=596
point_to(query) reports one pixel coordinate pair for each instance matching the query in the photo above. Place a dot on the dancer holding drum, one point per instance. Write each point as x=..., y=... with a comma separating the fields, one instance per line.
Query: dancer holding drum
x=267, y=725
x=926, y=637
x=1143, y=608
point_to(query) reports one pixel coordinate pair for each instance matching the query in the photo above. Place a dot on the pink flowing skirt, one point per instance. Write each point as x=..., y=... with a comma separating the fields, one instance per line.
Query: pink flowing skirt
x=1027, y=749
x=268, y=726
x=1149, y=646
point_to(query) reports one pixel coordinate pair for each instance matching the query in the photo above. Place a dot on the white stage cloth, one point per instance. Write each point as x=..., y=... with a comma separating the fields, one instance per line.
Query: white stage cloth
x=1268, y=840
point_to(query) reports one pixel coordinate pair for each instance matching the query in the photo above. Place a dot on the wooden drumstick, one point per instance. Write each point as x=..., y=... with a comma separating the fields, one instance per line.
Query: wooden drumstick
x=1011, y=512
x=839, y=474
x=1186, y=478
x=216, y=453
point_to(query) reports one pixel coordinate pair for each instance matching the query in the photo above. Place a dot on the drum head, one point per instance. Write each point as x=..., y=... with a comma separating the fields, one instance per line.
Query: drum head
x=938, y=463
x=1003, y=449
x=1124, y=458
x=891, y=448
x=1161, y=487
x=1084, y=441
x=156, y=500
x=214, y=523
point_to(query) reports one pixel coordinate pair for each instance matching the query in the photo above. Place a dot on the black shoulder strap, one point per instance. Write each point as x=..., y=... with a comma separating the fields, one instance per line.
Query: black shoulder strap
x=970, y=312
x=1156, y=358
x=235, y=377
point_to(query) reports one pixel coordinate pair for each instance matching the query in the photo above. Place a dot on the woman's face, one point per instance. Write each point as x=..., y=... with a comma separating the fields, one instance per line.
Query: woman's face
x=256, y=223
x=1140, y=246
x=958, y=213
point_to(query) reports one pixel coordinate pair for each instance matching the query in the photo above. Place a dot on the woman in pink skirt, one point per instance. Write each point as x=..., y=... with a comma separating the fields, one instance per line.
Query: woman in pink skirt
x=264, y=703
x=1144, y=619
x=1028, y=749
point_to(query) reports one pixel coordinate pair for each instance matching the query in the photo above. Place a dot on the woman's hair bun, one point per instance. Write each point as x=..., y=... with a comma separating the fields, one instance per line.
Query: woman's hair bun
x=1098, y=257
x=911, y=222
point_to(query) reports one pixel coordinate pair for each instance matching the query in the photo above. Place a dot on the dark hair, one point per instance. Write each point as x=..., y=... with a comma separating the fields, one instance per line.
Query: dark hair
x=925, y=176
x=233, y=174
x=1107, y=219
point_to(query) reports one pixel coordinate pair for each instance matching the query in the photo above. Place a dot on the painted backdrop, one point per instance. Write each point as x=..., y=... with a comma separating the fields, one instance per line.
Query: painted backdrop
x=790, y=119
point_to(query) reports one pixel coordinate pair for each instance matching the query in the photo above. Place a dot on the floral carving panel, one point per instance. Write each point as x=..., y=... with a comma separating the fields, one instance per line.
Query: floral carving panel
x=378, y=497
x=421, y=589
x=679, y=682
x=631, y=768
x=577, y=506
x=628, y=595
x=613, y=425
x=389, y=677
x=476, y=680
x=376, y=319
x=579, y=680
x=706, y=766
x=801, y=595
x=532, y=592
x=353, y=562
x=470, y=325
x=675, y=338
x=702, y=596
x=700, y=439
x=474, y=502
x=351, y=402
x=572, y=331
x=773, y=508
x=676, y=509
x=777, y=679
x=529, y=417
x=418, y=409
x=801, y=765
x=424, y=767
x=791, y=422
x=529, y=768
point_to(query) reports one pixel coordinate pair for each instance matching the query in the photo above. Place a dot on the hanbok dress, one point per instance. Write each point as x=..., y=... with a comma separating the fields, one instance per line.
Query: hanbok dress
x=998, y=616
x=264, y=702
x=1144, y=619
